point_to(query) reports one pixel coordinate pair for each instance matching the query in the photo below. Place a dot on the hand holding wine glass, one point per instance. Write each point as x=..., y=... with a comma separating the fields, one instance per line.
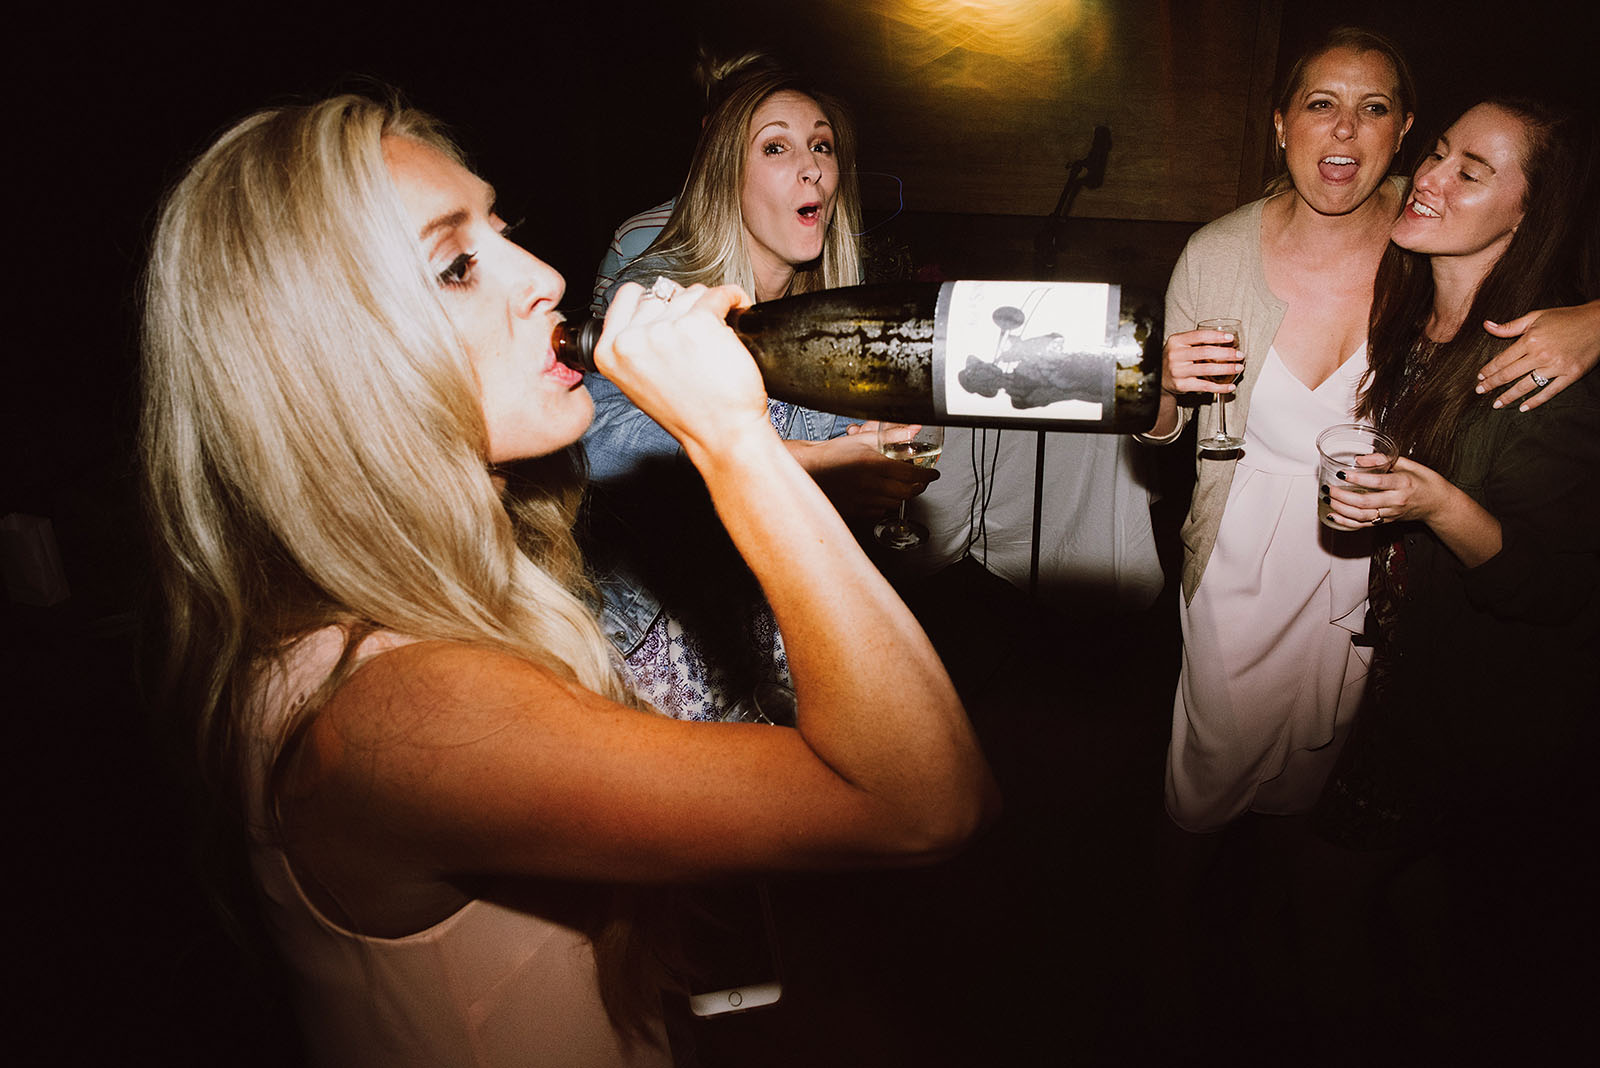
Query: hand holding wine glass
x=1219, y=440
x=916, y=444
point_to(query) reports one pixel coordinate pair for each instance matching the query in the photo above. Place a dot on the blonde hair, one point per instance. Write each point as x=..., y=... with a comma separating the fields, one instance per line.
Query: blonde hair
x=717, y=76
x=704, y=240
x=312, y=443
x=313, y=446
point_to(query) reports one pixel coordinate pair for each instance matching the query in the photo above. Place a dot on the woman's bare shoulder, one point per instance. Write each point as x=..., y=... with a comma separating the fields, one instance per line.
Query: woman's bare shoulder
x=439, y=691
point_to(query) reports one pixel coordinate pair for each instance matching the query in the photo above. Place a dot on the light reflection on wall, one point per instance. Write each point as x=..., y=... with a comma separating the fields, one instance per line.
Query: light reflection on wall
x=981, y=106
x=1021, y=48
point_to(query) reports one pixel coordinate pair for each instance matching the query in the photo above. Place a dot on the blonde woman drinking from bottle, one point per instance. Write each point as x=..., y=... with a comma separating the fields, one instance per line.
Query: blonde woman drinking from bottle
x=356, y=456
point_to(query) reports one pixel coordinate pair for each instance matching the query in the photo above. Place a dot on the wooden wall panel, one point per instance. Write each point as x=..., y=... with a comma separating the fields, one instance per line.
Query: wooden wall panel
x=980, y=106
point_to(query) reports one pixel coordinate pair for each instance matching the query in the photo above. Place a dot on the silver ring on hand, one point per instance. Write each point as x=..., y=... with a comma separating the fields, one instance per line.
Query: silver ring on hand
x=664, y=289
x=1538, y=379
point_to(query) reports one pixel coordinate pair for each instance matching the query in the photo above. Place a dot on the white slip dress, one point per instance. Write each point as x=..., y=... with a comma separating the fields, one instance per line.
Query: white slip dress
x=1270, y=680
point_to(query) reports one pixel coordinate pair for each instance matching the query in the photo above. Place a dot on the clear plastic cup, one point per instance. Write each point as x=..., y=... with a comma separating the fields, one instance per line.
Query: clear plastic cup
x=1338, y=449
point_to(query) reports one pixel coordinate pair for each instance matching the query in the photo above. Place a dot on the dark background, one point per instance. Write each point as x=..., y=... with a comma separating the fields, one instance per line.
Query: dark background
x=580, y=114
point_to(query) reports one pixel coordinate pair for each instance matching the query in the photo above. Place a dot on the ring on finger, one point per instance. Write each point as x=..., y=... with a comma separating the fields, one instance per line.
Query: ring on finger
x=1538, y=379
x=664, y=289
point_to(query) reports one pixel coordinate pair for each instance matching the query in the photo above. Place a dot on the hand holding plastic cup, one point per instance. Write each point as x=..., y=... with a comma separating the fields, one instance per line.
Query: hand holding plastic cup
x=1340, y=448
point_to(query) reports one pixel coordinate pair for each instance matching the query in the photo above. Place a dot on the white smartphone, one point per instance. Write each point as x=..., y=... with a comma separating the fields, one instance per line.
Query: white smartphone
x=733, y=945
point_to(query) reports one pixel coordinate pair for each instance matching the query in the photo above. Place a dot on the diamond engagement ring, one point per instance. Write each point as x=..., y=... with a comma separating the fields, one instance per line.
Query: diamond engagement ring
x=664, y=289
x=1538, y=379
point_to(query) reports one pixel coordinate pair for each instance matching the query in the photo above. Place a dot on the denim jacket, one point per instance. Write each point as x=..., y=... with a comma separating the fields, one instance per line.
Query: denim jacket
x=644, y=523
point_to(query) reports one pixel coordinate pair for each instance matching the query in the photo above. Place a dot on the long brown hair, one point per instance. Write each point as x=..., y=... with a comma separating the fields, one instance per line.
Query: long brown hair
x=1420, y=391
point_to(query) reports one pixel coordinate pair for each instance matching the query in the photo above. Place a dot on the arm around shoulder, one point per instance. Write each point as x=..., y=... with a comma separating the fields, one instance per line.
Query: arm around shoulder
x=1556, y=346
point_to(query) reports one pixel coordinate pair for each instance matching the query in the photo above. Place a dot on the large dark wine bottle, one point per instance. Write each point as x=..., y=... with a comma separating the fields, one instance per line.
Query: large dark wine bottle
x=1039, y=355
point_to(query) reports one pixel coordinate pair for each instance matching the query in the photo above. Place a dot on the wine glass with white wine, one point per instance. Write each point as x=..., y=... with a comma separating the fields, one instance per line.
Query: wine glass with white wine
x=1219, y=440
x=916, y=444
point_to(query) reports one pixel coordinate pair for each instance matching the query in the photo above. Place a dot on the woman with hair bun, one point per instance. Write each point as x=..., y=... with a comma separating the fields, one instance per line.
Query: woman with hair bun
x=771, y=205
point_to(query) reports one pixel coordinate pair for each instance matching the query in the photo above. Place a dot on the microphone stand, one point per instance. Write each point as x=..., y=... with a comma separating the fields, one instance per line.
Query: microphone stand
x=1045, y=247
x=1048, y=241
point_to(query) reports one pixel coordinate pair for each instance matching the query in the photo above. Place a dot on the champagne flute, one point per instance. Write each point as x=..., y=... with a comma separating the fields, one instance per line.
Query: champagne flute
x=1220, y=440
x=915, y=444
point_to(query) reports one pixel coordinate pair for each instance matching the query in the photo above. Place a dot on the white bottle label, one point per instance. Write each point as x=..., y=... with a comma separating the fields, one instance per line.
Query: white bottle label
x=1044, y=350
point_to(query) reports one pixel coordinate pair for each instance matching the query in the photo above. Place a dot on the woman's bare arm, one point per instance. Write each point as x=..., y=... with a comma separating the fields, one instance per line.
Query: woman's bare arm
x=441, y=763
x=1412, y=491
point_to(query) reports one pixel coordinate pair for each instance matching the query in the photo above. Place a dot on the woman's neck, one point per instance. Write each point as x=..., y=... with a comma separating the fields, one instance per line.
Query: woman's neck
x=773, y=274
x=774, y=283
x=1313, y=233
x=1455, y=282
